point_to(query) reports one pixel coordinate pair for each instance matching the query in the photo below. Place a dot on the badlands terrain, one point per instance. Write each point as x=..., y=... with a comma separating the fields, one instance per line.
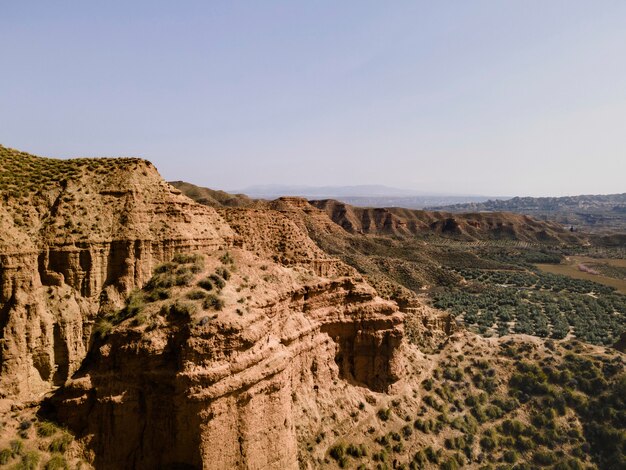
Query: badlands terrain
x=149, y=325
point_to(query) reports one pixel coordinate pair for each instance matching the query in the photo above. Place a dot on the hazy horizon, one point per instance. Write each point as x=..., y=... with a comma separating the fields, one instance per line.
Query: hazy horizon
x=519, y=98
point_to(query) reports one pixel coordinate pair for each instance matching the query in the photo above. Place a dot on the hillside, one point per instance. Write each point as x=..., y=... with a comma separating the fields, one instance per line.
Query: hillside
x=474, y=226
x=212, y=197
x=589, y=212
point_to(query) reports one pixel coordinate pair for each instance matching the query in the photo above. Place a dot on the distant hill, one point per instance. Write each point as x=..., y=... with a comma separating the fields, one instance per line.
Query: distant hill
x=468, y=226
x=363, y=195
x=402, y=222
x=212, y=197
x=591, y=212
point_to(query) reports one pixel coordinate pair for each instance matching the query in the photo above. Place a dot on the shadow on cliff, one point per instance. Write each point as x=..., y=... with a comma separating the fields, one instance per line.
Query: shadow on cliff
x=364, y=353
x=127, y=405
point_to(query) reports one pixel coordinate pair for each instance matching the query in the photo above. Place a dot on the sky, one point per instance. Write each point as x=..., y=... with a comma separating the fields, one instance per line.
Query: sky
x=506, y=97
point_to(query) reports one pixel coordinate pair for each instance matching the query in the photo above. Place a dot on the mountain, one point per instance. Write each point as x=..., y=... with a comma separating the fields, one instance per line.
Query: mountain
x=212, y=197
x=277, y=190
x=591, y=212
x=362, y=195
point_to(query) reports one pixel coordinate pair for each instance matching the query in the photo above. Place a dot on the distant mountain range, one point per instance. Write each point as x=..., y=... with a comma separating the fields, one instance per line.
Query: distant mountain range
x=595, y=212
x=363, y=195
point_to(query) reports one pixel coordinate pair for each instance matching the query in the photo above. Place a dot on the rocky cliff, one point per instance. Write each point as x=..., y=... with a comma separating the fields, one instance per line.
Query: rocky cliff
x=77, y=236
x=223, y=391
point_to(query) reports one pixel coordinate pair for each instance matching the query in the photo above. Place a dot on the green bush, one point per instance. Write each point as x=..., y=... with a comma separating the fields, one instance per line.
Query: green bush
x=449, y=464
x=102, y=328
x=384, y=414
x=544, y=457
x=213, y=302
x=182, y=309
x=206, y=284
x=217, y=281
x=227, y=258
x=187, y=258
x=17, y=447
x=487, y=443
x=5, y=456
x=157, y=294
x=46, y=429
x=30, y=461
x=223, y=273
x=57, y=462
x=510, y=456
x=338, y=451
x=196, y=294
x=60, y=444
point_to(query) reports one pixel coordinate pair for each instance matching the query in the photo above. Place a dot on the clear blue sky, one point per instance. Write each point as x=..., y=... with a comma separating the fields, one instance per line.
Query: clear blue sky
x=492, y=97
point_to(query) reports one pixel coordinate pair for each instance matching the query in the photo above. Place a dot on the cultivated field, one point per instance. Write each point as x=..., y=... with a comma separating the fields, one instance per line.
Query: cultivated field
x=607, y=271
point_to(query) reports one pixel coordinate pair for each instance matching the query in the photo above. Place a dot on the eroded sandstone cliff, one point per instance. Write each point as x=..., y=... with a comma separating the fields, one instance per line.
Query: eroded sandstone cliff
x=77, y=236
x=220, y=391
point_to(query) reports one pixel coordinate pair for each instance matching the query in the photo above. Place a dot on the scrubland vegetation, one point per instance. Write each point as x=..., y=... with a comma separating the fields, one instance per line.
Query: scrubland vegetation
x=38, y=445
x=22, y=174
x=177, y=290
x=522, y=405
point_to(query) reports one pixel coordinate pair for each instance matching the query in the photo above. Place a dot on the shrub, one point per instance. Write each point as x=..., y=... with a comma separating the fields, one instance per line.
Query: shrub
x=196, y=294
x=338, y=451
x=544, y=457
x=162, y=281
x=487, y=443
x=356, y=451
x=17, y=447
x=399, y=447
x=453, y=373
x=5, y=456
x=450, y=464
x=217, y=281
x=24, y=425
x=187, y=258
x=182, y=309
x=46, y=429
x=223, y=273
x=183, y=279
x=57, y=462
x=384, y=414
x=510, y=456
x=30, y=461
x=60, y=444
x=156, y=294
x=135, y=303
x=227, y=258
x=213, y=302
x=206, y=284
x=431, y=455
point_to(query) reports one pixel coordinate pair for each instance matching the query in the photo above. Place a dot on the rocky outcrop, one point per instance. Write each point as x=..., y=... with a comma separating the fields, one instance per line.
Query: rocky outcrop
x=77, y=236
x=222, y=394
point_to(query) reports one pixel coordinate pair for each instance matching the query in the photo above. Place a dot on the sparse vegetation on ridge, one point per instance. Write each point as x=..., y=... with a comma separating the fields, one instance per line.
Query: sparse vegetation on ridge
x=22, y=174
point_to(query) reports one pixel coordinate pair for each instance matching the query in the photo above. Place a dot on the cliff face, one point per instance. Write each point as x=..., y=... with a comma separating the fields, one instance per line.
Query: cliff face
x=224, y=393
x=77, y=236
